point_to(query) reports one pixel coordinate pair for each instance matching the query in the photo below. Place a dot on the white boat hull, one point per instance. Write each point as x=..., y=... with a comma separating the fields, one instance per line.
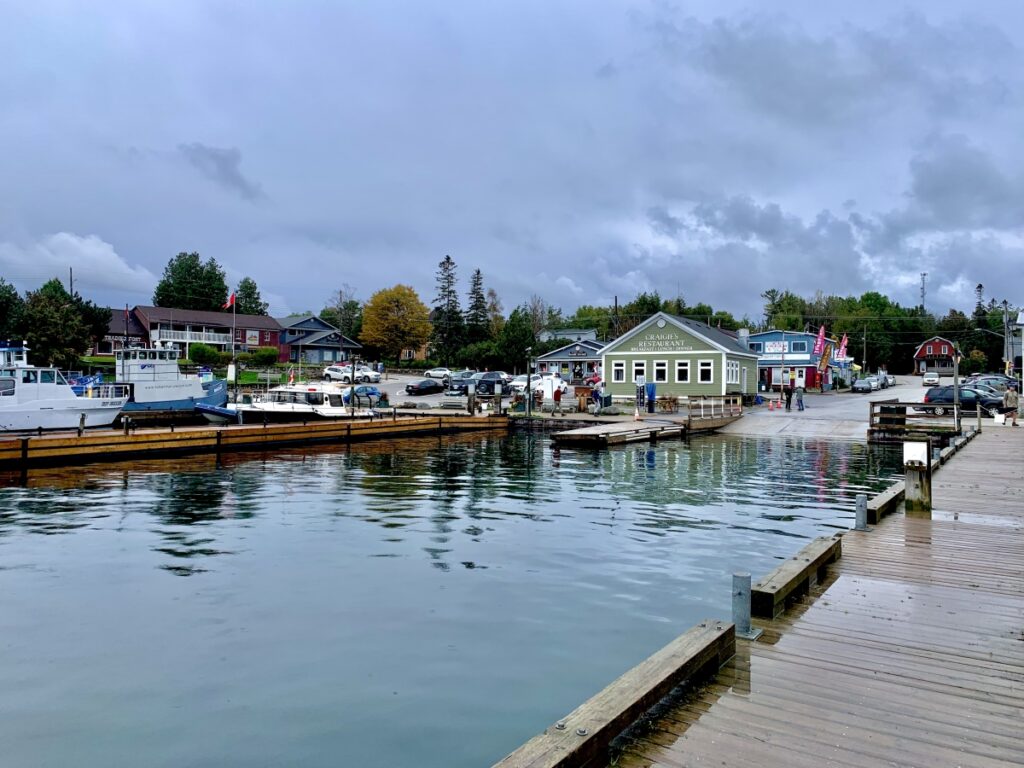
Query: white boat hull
x=63, y=413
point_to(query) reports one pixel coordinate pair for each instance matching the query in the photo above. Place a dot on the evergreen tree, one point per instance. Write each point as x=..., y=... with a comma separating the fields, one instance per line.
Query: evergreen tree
x=248, y=300
x=446, y=338
x=11, y=307
x=189, y=283
x=515, y=337
x=477, y=322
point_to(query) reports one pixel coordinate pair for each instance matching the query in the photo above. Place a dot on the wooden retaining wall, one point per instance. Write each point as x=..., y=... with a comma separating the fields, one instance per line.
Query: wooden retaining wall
x=69, y=448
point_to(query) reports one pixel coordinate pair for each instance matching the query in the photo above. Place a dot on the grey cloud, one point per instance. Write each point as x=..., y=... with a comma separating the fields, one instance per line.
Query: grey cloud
x=663, y=222
x=222, y=166
x=814, y=77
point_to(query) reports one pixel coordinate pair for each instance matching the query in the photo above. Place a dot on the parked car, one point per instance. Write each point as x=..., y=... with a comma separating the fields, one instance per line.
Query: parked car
x=439, y=373
x=518, y=384
x=485, y=381
x=593, y=380
x=460, y=376
x=999, y=383
x=930, y=379
x=342, y=373
x=424, y=387
x=365, y=394
x=862, y=385
x=940, y=401
x=890, y=380
x=366, y=374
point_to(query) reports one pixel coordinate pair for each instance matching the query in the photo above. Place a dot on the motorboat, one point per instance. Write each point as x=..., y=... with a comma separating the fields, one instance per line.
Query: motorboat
x=298, y=401
x=157, y=384
x=33, y=398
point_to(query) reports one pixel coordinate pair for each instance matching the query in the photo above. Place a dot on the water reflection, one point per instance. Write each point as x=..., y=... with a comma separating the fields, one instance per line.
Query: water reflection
x=435, y=489
x=471, y=588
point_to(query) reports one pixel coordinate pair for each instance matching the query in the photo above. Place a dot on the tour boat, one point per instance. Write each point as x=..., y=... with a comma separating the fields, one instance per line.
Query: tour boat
x=158, y=385
x=34, y=398
x=288, y=403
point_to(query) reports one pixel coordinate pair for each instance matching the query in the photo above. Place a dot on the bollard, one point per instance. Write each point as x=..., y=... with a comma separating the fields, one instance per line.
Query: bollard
x=917, y=476
x=862, y=513
x=741, y=607
x=81, y=424
x=124, y=424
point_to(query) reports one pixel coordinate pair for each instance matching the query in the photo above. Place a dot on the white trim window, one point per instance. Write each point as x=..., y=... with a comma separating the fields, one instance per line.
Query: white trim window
x=639, y=369
x=682, y=371
x=756, y=346
x=928, y=350
x=706, y=371
x=732, y=372
x=661, y=371
x=619, y=371
x=799, y=346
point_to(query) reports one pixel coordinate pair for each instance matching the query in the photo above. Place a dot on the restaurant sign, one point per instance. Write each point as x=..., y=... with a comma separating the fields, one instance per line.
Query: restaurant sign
x=662, y=340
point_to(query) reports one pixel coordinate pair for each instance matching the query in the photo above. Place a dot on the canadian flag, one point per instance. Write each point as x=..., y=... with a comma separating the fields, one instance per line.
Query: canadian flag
x=230, y=302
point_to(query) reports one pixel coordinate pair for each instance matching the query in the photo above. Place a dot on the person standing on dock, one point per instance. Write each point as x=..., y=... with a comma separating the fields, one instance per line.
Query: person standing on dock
x=556, y=395
x=799, y=398
x=789, y=398
x=1011, y=402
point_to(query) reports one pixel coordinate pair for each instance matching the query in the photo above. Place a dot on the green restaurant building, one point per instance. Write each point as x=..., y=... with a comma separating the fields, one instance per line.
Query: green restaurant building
x=681, y=357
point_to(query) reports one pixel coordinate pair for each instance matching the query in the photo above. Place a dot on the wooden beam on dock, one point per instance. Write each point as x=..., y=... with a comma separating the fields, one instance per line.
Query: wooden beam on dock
x=65, y=448
x=587, y=731
x=793, y=578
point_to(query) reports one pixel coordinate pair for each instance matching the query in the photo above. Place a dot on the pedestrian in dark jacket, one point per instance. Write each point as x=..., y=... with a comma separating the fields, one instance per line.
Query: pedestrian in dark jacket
x=789, y=397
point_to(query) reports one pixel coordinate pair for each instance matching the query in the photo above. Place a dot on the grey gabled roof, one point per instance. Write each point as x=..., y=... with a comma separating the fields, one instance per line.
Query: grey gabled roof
x=594, y=347
x=314, y=338
x=224, y=319
x=714, y=336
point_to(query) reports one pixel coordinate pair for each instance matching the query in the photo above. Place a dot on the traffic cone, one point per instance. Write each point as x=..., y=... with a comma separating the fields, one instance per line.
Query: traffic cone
x=636, y=414
x=771, y=405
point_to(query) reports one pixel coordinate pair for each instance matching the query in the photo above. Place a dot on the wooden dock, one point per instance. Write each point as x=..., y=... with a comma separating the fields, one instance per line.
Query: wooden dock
x=68, y=448
x=702, y=416
x=910, y=652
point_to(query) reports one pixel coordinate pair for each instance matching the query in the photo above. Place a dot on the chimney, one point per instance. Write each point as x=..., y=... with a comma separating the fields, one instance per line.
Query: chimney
x=743, y=337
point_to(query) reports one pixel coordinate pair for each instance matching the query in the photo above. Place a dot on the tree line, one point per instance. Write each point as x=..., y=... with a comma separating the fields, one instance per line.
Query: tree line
x=60, y=326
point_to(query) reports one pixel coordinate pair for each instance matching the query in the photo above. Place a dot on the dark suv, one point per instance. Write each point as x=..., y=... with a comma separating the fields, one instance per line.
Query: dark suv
x=940, y=401
x=484, y=382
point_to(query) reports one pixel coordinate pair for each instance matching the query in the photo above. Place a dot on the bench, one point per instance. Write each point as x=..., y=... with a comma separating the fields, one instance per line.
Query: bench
x=586, y=732
x=793, y=579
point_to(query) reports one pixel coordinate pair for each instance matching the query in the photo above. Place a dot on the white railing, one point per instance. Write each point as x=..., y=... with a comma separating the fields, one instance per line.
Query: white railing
x=191, y=336
x=106, y=392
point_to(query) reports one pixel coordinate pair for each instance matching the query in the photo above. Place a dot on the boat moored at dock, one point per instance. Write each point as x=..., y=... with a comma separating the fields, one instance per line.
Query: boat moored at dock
x=157, y=384
x=289, y=403
x=34, y=397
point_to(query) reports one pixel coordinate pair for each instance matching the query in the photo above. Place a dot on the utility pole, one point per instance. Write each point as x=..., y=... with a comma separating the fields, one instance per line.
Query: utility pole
x=864, y=356
x=71, y=281
x=923, y=276
x=1007, y=345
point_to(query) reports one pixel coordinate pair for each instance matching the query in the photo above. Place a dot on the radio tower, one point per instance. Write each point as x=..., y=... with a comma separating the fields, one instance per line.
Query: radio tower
x=923, y=276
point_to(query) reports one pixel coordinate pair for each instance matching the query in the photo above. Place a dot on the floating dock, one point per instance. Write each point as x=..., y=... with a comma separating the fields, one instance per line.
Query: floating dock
x=68, y=448
x=646, y=430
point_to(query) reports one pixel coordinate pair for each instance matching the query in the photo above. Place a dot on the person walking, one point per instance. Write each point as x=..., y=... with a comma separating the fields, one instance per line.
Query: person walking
x=557, y=397
x=799, y=398
x=1011, y=402
x=789, y=398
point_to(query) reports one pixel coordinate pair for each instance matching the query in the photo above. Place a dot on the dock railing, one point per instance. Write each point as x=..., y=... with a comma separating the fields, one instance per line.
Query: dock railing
x=892, y=420
x=715, y=407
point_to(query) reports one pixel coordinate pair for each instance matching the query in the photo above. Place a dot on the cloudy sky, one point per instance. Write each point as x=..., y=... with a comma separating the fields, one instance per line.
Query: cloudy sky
x=576, y=150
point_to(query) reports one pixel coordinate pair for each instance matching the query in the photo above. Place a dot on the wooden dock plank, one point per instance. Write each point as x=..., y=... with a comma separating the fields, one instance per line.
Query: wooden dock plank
x=586, y=731
x=910, y=653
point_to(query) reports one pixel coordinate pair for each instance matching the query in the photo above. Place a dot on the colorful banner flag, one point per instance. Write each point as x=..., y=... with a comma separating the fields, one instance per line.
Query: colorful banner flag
x=842, y=348
x=819, y=343
x=826, y=358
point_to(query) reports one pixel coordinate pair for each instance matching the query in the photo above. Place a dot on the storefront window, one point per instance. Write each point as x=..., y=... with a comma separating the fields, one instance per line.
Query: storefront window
x=619, y=371
x=682, y=372
x=706, y=375
x=661, y=370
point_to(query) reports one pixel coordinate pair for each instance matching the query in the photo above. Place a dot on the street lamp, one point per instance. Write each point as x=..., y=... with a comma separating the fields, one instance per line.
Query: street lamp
x=529, y=389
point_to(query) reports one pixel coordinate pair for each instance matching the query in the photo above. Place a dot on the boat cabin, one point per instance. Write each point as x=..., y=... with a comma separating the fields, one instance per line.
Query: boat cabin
x=147, y=364
x=27, y=382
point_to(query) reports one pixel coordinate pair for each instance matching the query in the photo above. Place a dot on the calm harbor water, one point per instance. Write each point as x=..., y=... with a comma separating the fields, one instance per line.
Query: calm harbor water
x=431, y=603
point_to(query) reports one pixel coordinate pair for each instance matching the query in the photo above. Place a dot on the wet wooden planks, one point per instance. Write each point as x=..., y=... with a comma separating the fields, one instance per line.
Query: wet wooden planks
x=912, y=653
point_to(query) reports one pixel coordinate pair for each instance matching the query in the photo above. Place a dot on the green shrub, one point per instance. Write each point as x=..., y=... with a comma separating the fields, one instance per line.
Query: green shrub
x=204, y=354
x=264, y=357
